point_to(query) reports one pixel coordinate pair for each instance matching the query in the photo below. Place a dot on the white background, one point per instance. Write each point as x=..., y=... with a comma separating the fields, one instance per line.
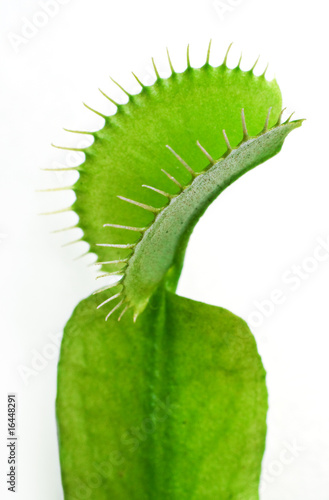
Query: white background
x=253, y=235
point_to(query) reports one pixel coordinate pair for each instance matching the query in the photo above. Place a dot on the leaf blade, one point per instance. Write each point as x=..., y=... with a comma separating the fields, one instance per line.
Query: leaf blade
x=175, y=397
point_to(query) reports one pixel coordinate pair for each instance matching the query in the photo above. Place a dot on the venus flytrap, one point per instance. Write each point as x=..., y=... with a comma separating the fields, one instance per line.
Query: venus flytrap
x=148, y=177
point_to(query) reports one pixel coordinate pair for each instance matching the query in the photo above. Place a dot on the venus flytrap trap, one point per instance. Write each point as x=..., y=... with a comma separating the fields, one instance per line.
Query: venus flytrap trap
x=147, y=178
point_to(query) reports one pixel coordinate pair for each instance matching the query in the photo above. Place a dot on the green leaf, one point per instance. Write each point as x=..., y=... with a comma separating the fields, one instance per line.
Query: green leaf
x=129, y=161
x=156, y=253
x=172, y=407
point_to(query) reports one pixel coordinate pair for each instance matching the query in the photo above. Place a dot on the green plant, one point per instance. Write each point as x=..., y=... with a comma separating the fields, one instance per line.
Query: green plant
x=172, y=406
